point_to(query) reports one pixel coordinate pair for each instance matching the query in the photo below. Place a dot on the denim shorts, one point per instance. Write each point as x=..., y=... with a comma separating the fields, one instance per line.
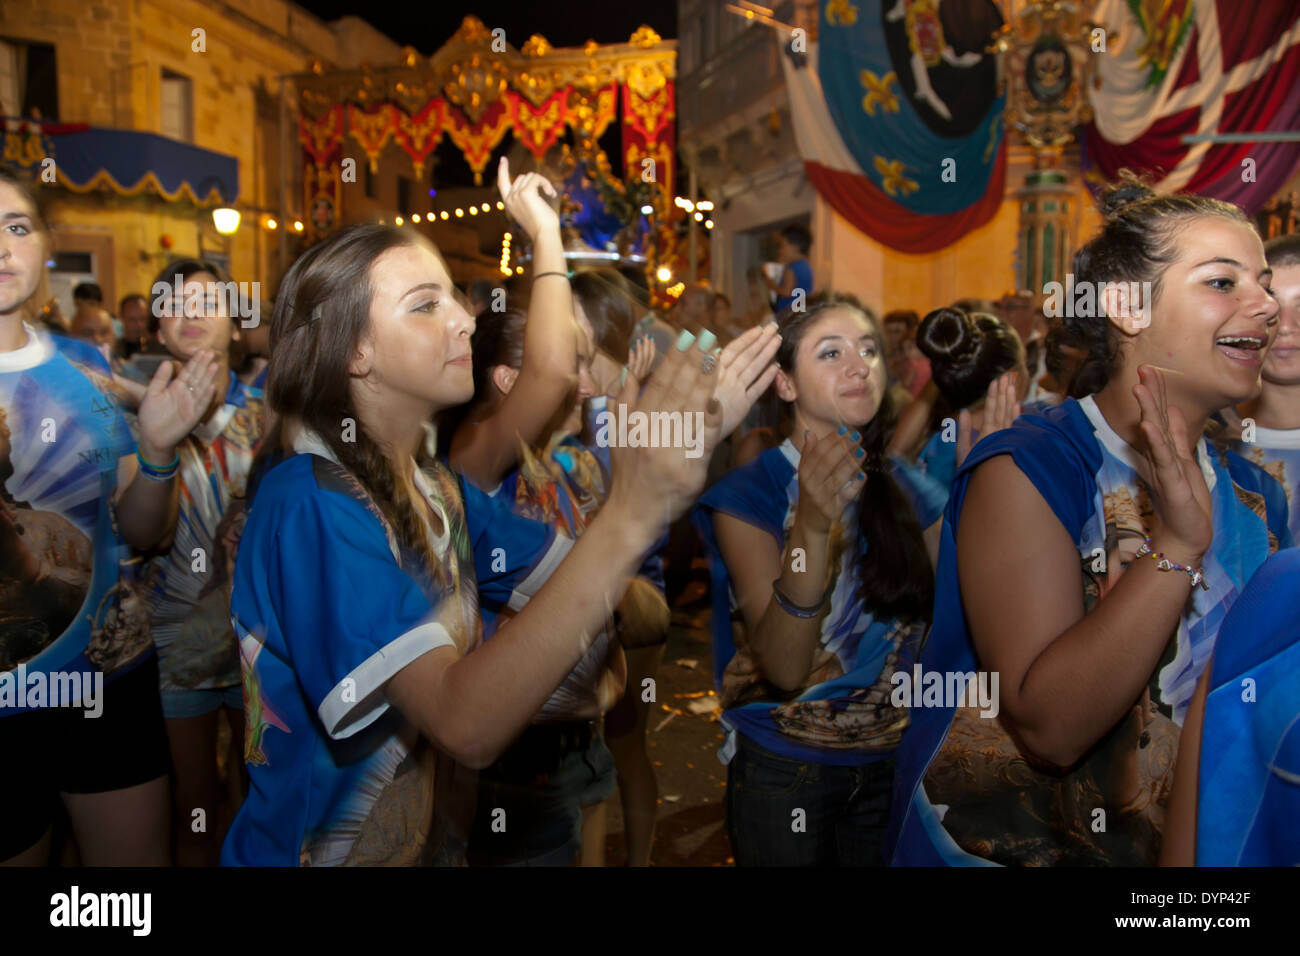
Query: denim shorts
x=179, y=704
x=784, y=812
x=530, y=802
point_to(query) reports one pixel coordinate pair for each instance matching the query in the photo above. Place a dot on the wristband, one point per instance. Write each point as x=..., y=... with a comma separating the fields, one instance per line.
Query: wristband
x=543, y=275
x=794, y=609
x=1165, y=564
x=155, y=472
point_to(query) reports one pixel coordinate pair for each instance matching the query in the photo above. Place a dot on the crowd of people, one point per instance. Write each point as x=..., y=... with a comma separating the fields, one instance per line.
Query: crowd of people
x=372, y=583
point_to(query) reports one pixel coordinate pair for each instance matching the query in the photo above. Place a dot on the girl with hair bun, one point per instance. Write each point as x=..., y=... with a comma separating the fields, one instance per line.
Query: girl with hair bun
x=1089, y=556
x=978, y=364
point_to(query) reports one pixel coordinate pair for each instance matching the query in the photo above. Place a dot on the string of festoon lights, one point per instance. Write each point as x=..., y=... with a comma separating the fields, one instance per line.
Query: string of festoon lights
x=458, y=213
x=270, y=223
x=505, y=257
x=696, y=210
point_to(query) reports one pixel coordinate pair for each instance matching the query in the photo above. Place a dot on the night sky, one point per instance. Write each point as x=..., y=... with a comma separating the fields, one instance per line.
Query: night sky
x=429, y=24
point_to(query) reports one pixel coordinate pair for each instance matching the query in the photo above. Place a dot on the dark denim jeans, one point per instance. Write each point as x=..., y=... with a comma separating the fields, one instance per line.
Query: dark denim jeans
x=845, y=810
x=542, y=782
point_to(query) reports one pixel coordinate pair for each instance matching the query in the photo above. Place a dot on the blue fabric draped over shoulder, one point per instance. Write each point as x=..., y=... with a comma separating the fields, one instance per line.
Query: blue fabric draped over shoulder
x=1057, y=452
x=764, y=494
x=1061, y=453
x=760, y=494
x=1249, y=780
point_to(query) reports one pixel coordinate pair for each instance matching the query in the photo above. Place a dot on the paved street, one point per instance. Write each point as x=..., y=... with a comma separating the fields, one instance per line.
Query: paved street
x=684, y=749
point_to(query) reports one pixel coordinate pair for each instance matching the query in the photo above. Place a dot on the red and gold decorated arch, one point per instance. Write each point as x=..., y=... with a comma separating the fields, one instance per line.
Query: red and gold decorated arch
x=477, y=89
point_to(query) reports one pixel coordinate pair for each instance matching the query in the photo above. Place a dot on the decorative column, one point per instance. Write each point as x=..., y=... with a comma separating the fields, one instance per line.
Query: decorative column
x=1045, y=242
x=1044, y=64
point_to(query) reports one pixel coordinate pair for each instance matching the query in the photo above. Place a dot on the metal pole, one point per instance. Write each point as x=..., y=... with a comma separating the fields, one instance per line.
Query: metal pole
x=1261, y=137
x=691, y=221
x=284, y=175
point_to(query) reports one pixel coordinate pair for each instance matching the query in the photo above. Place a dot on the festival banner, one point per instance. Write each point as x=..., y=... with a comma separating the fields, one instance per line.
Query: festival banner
x=539, y=128
x=898, y=118
x=1184, y=68
x=419, y=134
x=322, y=140
x=372, y=129
x=649, y=111
x=477, y=139
x=122, y=161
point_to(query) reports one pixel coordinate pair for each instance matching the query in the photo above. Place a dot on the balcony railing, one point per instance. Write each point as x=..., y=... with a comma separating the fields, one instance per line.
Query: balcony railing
x=739, y=74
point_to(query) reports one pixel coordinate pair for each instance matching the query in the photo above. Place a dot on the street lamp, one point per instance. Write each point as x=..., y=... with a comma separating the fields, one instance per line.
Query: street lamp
x=226, y=219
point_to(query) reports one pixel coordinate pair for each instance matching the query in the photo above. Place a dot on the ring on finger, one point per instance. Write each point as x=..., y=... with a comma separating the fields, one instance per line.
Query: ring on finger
x=708, y=364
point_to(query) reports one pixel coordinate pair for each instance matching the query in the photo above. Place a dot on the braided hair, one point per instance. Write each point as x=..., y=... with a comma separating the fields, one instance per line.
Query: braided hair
x=321, y=315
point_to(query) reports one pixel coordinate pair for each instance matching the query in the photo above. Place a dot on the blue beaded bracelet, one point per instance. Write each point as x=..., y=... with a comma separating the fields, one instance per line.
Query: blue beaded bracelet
x=154, y=472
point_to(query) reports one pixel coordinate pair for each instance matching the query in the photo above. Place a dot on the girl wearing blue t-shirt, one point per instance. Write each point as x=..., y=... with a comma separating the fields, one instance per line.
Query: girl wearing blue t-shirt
x=1090, y=554
x=80, y=719
x=819, y=544
x=363, y=565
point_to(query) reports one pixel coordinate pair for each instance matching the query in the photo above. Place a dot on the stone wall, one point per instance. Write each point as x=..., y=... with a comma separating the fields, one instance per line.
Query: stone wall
x=110, y=57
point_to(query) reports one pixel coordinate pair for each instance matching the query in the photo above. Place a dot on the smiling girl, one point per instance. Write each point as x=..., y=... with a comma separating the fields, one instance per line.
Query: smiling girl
x=1098, y=644
x=363, y=565
x=1275, y=441
x=189, y=612
x=819, y=544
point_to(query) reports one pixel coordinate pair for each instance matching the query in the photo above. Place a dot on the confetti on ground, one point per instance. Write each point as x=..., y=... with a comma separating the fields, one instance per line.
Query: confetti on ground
x=664, y=723
x=702, y=705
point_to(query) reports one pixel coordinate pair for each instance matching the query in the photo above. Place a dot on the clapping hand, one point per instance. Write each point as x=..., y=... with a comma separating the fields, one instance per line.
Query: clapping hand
x=830, y=476
x=1172, y=475
x=1001, y=409
x=745, y=370
x=171, y=407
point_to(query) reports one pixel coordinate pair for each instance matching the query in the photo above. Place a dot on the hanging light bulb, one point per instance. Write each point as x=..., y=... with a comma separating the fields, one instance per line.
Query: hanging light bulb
x=226, y=219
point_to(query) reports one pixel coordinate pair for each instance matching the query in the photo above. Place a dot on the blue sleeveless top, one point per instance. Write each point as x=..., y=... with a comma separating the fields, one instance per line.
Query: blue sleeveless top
x=964, y=794
x=843, y=715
